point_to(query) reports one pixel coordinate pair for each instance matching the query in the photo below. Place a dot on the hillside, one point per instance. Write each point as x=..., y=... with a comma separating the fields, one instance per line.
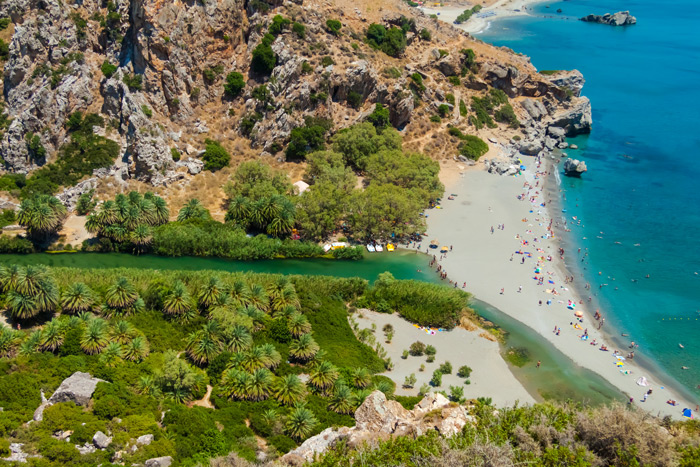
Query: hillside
x=156, y=74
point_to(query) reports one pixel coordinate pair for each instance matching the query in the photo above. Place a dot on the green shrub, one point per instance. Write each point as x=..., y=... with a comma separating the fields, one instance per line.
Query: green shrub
x=436, y=380
x=548, y=72
x=147, y=111
x=464, y=371
x=379, y=117
x=417, y=349
x=333, y=26
x=264, y=58
x=435, y=119
x=354, y=99
x=473, y=147
x=279, y=23
x=305, y=139
x=445, y=368
x=454, y=80
x=327, y=61
x=450, y=98
x=425, y=34
x=506, y=114
x=417, y=82
x=134, y=82
x=215, y=157
x=4, y=23
x=175, y=154
x=85, y=203
x=444, y=110
x=108, y=69
x=392, y=72
x=234, y=84
x=306, y=68
x=194, y=93
x=299, y=29
x=248, y=122
x=462, y=108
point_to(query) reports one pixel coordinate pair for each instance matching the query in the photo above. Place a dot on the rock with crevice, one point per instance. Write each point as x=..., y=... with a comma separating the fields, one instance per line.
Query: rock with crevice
x=77, y=388
x=621, y=18
x=378, y=418
x=164, y=461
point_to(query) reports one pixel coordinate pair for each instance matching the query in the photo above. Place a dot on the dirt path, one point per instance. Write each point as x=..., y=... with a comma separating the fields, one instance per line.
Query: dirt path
x=204, y=401
x=74, y=230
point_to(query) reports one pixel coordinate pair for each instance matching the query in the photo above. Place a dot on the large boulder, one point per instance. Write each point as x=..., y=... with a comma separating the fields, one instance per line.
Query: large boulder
x=101, y=440
x=574, y=168
x=379, y=415
x=621, y=18
x=77, y=388
x=572, y=80
x=159, y=462
x=576, y=119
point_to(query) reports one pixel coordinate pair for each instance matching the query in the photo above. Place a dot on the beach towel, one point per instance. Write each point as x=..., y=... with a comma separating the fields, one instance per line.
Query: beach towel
x=642, y=381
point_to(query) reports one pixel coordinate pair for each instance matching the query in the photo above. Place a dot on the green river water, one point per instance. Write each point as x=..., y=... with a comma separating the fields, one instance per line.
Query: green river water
x=559, y=378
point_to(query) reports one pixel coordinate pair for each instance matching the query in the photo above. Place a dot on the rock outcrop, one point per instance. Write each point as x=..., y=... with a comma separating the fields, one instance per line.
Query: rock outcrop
x=101, y=440
x=574, y=168
x=159, y=462
x=77, y=388
x=378, y=418
x=621, y=18
x=572, y=80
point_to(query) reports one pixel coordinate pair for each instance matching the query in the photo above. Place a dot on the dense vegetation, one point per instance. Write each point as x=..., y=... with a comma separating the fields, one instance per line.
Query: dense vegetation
x=466, y=14
x=159, y=339
x=85, y=152
x=496, y=104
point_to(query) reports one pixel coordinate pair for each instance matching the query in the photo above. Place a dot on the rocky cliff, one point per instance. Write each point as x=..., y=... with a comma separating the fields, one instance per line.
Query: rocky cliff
x=155, y=71
x=621, y=18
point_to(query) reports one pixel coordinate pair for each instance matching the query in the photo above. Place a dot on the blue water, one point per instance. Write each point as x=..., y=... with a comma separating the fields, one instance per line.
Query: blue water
x=641, y=186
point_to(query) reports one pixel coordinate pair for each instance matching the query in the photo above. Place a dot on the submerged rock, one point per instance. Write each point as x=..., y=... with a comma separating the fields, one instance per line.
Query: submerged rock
x=621, y=18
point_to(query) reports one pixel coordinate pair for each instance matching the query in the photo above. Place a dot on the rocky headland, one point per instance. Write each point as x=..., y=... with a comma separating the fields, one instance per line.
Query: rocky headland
x=621, y=18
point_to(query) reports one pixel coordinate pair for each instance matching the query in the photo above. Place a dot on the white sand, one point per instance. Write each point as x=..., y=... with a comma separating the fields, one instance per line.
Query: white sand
x=490, y=377
x=482, y=260
x=478, y=23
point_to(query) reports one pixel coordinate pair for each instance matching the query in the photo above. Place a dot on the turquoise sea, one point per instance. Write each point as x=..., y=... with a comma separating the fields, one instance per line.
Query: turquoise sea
x=642, y=186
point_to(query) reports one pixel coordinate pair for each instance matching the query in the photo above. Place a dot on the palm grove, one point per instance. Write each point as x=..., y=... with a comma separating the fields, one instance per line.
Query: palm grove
x=278, y=352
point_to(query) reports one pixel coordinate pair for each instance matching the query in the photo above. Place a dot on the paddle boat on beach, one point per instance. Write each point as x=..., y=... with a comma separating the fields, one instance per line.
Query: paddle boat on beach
x=390, y=247
x=371, y=248
x=378, y=247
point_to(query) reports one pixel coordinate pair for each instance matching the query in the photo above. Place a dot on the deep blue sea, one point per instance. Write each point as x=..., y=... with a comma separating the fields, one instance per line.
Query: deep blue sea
x=643, y=155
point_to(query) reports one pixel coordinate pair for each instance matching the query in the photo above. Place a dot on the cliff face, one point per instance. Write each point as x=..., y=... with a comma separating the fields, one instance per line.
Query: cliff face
x=155, y=69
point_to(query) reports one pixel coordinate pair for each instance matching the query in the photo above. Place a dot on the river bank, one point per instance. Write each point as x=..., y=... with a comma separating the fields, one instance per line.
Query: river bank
x=488, y=262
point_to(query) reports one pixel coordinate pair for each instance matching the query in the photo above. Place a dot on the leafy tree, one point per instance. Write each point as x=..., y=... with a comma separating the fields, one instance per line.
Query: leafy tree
x=359, y=141
x=382, y=210
x=289, y=390
x=264, y=58
x=178, y=379
x=416, y=173
x=446, y=368
x=215, y=157
x=333, y=26
x=417, y=349
x=456, y=393
x=299, y=29
x=375, y=35
x=305, y=139
x=379, y=117
x=42, y=216
x=394, y=42
x=464, y=371
x=436, y=380
x=86, y=203
x=234, y=84
x=279, y=23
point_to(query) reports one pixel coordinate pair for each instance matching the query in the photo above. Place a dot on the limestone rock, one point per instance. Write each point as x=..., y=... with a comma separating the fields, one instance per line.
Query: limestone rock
x=101, y=440
x=572, y=80
x=159, y=462
x=534, y=108
x=574, y=168
x=532, y=147
x=576, y=119
x=87, y=448
x=16, y=453
x=76, y=388
x=621, y=18
x=144, y=440
x=315, y=445
x=69, y=196
x=377, y=414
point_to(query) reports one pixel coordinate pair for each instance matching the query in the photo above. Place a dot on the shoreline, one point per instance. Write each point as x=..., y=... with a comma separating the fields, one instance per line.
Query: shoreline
x=477, y=24
x=477, y=266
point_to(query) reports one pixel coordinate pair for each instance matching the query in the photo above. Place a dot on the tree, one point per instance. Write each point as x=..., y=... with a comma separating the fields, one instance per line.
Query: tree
x=264, y=58
x=456, y=393
x=30, y=292
x=410, y=381
x=379, y=117
x=177, y=301
x=394, y=42
x=204, y=345
x=259, y=384
x=299, y=324
x=446, y=368
x=303, y=348
x=464, y=371
x=237, y=338
x=333, y=26
x=234, y=84
x=121, y=298
x=77, y=298
x=417, y=349
x=436, y=380
x=303, y=140
x=323, y=376
x=123, y=332
x=375, y=35
x=360, y=141
x=415, y=172
x=211, y=293
x=360, y=378
x=343, y=400
x=215, y=157
x=42, y=216
x=300, y=423
x=279, y=23
x=382, y=210
x=178, y=379
x=289, y=389
x=112, y=354
x=95, y=336
x=85, y=203
x=52, y=335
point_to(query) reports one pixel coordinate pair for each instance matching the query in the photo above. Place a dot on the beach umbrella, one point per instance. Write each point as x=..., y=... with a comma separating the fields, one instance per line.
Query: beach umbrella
x=434, y=243
x=579, y=313
x=687, y=413
x=444, y=249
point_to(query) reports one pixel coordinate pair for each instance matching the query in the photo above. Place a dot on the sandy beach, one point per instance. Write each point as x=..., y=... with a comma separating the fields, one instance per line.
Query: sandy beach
x=479, y=22
x=490, y=375
x=488, y=225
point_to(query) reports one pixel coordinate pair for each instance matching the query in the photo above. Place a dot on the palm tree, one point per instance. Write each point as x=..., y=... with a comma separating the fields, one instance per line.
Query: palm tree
x=237, y=338
x=52, y=335
x=258, y=317
x=323, y=376
x=76, y=298
x=193, y=210
x=238, y=210
x=9, y=341
x=301, y=423
x=303, y=348
x=258, y=298
x=121, y=296
x=95, y=336
x=259, y=384
x=343, y=400
x=41, y=215
x=21, y=306
x=285, y=312
x=361, y=378
x=298, y=325
x=177, y=300
x=284, y=297
x=112, y=354
x=254, y=359
x=235, y=383
x=289, y=389
x=148, y=385
x=211, y=293
x=161, y=213
x=8, y=277
x=123, y=332
x=38, y=288
x=203, y=345
x=31, y=344
x=272, y=357
x=141, y=237
x=239, y=293
x=136, y=349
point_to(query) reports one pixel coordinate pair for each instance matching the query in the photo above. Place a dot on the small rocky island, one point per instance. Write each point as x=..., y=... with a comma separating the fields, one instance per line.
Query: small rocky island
x=621, y=18
x=574, y=168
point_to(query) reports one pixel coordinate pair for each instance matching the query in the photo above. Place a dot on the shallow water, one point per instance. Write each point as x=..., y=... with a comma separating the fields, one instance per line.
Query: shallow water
x=639, y=189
